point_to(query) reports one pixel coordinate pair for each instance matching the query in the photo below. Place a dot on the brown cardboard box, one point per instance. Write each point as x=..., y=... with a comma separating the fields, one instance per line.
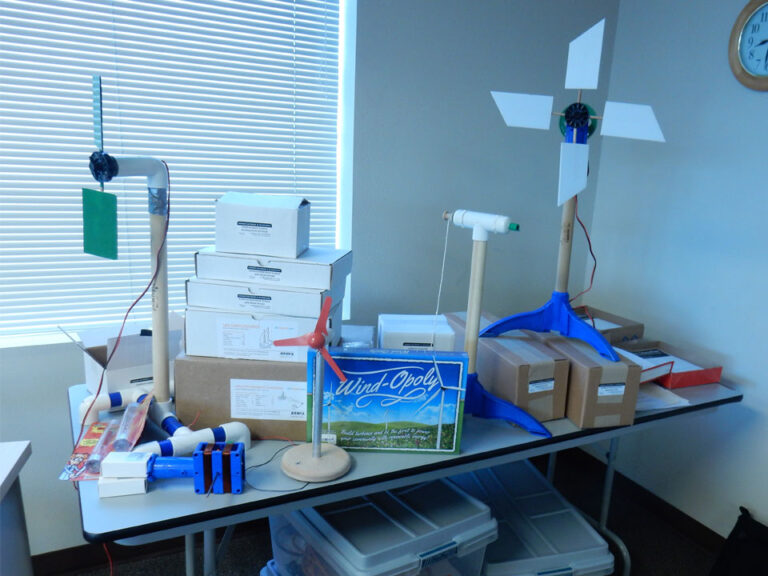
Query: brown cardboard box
x=269, y=397
x=600, y=392
x=614, y=328
x=519, y=369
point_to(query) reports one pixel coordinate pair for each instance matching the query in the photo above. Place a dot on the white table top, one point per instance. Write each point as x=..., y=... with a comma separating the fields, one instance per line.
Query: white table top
x=171, y=508
x=13, y=456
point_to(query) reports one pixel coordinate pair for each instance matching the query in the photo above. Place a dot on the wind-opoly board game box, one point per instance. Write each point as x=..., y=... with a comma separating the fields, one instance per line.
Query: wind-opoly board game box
x=393, y=400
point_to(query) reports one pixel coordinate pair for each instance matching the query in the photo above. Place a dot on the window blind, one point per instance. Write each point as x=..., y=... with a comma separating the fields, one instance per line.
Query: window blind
x=232, y=95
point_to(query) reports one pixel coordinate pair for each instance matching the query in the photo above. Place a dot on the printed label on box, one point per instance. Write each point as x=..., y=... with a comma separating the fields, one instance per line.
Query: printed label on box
x=254, y=301
x=610, y=390
x=268, y=399
x=264, y=273
x=541, y=386
x=255, y=340
x=254, y=229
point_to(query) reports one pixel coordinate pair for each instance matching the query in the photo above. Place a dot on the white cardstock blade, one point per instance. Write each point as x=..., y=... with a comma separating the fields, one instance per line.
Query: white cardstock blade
x=574, y=160
x=584, y=55
x=631, y=121
x=524, y=110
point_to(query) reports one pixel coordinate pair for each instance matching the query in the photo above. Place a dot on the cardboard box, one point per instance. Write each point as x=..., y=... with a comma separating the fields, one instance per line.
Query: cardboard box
x=268, y=224
x=268, y=397
x=228, y=334
x=670, y=366
x=317, y=268
x=520, y=369
x=255, y=298
x=614, y=328
x=601, y=393
x=415, y=332
x=130, y=365
x=393, y=400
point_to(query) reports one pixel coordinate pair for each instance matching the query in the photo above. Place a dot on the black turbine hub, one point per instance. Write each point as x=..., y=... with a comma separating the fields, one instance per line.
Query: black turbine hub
x=577, y=115
x=103, y=167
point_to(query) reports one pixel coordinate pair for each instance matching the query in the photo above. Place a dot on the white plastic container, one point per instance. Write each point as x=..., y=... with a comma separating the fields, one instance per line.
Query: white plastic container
x=539, y=531
x=429, y=529
x=270, y=569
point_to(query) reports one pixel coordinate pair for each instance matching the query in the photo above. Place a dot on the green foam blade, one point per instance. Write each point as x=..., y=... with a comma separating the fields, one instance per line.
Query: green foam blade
x=100, y=223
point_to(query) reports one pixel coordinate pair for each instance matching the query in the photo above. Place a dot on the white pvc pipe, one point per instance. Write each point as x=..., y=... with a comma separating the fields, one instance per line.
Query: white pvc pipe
x=154, y=169
x=185, y=444
x=110, y=402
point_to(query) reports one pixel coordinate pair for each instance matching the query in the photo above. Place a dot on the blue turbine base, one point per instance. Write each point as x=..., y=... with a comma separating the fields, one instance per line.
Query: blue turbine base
x=556, y=315
x=483, y=404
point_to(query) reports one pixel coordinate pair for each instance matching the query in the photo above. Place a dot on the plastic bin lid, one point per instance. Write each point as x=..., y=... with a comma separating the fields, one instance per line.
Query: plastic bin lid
x=397, y=532
x=270, y=569
x=539, y=531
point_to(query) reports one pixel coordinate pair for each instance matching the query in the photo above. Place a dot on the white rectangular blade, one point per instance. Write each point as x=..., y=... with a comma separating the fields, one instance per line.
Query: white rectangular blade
x=584, y=55
x=631, y=121
x=524, y=110
x=574, y=161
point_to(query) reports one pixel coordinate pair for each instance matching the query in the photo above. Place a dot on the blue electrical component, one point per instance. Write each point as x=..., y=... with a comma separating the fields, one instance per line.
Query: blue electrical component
x=216, y=467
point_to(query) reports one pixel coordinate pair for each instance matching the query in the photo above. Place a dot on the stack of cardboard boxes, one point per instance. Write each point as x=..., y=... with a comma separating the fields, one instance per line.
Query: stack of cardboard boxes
x=260, y=283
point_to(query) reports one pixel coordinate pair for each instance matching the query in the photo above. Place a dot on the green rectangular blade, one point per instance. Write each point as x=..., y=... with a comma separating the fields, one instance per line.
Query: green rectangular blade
x=100, y=223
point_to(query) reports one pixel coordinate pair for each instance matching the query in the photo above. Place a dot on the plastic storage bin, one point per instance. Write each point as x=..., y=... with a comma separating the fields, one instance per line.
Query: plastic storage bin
x=270, y=569
x=430, y=529
x=539, y=531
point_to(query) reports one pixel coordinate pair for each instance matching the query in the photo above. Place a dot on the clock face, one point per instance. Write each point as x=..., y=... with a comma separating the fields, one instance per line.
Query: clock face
x=753, y=43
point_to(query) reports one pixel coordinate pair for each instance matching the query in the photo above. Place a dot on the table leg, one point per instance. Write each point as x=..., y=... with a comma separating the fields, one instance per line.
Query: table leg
x=189, y=554
x=209, y=552
x=551, y=462
x=610, y=458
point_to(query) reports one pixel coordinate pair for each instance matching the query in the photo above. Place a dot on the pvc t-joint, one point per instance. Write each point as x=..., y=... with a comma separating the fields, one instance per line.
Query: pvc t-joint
x=481, y=223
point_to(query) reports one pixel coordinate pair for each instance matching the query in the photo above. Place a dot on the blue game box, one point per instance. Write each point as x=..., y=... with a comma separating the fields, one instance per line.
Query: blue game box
x=393, y=400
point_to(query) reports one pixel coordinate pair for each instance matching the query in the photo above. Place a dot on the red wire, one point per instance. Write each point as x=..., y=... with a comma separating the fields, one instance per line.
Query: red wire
x=109, y=557
x=591, y=251
x=131, y=307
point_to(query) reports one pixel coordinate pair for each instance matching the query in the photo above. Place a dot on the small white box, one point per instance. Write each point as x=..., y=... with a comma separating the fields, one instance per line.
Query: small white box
x=109, y=487
x=125, y=465
x=318, y=268
x=415, y=332
x=269, y=224
x=227, y=334
x=256, y=298
x=131, y=364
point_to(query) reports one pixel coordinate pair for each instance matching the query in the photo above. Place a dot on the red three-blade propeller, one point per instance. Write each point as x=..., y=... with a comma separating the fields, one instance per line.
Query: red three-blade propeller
x=316, y=339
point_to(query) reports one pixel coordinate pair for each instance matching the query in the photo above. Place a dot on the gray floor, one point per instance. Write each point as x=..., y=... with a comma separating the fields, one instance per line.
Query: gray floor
x=657, y=547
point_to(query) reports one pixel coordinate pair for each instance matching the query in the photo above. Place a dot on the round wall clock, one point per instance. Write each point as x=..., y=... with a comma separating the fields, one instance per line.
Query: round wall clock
x=748, y=46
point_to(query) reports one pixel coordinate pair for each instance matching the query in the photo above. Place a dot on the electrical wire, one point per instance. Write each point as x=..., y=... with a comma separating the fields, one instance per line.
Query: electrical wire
x=270, y=459
x=591, y=251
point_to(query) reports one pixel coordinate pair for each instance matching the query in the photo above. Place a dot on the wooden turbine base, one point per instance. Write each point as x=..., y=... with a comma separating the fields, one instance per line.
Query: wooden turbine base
x=299, y=463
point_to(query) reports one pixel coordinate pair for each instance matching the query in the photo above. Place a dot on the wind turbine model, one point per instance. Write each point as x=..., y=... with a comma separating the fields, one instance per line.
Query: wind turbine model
x=577, y=122
x=318, y=461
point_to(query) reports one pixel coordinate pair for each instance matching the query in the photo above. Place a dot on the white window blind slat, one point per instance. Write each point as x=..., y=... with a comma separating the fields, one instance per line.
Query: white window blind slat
x=233, y=95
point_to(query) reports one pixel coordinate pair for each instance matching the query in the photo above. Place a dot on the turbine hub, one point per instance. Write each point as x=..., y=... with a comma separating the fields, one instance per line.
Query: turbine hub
x=577, y=115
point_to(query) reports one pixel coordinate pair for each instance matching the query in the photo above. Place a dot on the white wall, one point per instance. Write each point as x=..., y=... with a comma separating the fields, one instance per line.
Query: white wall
x=679, y=230
x=428, y=137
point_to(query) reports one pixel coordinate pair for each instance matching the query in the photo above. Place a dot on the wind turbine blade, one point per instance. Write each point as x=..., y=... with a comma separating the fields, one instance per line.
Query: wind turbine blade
x=332, y=363
x=574, y=160
x=298, y=341
x=321, y=326
x=98, y=129
x=524, y=110
x=584, y=55
x=631, y=121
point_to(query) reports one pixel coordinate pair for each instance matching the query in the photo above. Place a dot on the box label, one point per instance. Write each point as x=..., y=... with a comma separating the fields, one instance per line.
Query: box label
x=254, y=229
x=541, y=386
x=255, y=340
x=265, y=273
x=268, y=399
x=610, y=390
x=254, y=301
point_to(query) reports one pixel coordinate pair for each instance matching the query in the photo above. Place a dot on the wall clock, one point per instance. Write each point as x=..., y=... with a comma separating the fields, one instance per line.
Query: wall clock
x=748, y=46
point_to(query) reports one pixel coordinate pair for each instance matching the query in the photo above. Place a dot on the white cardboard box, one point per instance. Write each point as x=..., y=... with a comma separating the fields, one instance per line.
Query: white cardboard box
x=257, y=298
x=269, y=224
x=227, y=334
x=131, y=364
x=318, y=268
x=415, y=332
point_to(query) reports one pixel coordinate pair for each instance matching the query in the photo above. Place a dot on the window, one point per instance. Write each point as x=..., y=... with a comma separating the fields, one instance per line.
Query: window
x=233, y=95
